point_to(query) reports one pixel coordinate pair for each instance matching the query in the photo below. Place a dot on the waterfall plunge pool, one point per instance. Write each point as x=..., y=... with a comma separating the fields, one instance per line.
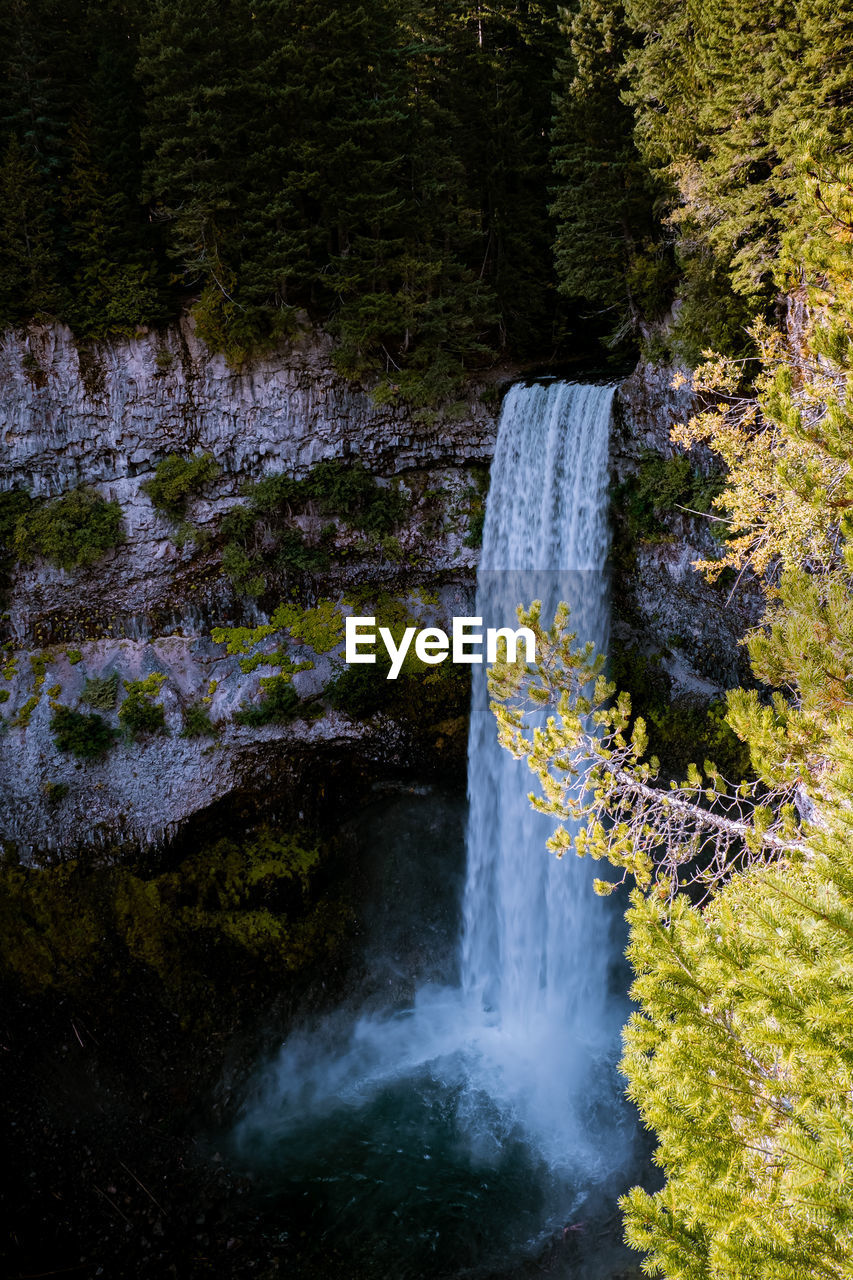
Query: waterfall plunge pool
x=374, y=1140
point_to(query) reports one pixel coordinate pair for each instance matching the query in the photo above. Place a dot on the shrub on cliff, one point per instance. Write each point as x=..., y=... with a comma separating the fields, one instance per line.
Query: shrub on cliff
x=139, y=713
x=262, y=540
x=177, y=479
x=79, y=733
x=101, y=692
x=279, y=705
x=71, y=531
x=197, y=722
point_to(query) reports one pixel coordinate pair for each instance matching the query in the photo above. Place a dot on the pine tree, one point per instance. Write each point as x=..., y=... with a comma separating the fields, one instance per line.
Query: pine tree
x=28, y=262
x=605, y=248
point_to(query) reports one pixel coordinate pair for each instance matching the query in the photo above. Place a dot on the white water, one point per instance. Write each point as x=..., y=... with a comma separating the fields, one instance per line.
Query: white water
x=536, y=945
x=525, y=1043
x=532, y=935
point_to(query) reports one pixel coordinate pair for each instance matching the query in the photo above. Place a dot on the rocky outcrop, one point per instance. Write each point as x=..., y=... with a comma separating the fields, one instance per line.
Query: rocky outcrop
x=105, y=417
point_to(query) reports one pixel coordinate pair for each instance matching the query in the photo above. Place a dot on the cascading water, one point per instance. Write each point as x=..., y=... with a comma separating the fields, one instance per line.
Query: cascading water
x=535, y=941
x=504, y=1080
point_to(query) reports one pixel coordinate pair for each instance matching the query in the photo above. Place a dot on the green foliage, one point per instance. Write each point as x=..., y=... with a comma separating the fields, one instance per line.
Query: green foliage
x=71, y=531
x=362, y=691
x=177, y=479
x=75, y=239
x=390, y=177
x=228, y=914
x=264, y=545
x=139, y=713
x=279, y=704
x=659, y=488
x=85, y=735
x=730, y=143
x=14, y=505
x=197, y=722
x=101, y=692
x=434, y=699
x=739, y=1059
x=74, y=656
x=679, y=730
x=22, y=716
x=710, y=313
x=28, y=264
x=54, y=792
x=608, y=250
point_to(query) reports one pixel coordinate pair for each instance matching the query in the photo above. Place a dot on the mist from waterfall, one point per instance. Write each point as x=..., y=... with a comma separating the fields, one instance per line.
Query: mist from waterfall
x=510, y=1067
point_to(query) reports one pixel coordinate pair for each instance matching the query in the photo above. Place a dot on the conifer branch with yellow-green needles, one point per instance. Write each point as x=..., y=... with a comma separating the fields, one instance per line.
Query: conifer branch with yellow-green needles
x=590, y=761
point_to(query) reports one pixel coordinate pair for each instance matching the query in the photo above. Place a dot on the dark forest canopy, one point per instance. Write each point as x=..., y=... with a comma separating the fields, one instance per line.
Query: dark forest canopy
x=434, y=181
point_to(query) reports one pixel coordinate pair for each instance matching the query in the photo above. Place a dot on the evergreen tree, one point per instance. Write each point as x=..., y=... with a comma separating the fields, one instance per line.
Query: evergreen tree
x=111, y=280
x=606, y=250
x=28, y=264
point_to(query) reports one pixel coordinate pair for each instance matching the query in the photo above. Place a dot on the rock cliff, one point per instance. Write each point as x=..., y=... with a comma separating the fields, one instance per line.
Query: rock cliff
x=105, y=417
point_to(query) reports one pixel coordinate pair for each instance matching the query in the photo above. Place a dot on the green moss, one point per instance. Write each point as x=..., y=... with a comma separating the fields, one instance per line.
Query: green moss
x=21, y=719
x=71, y=531
x=54, y=691
x=476, y=522
x=101, y=692
x=4, y=695
x=74, y=656
x=321, y=628
x=475, y=495
x=177, y=479
x=39, y=663
x=54, y=791
x=139, y=713
x=80, y=734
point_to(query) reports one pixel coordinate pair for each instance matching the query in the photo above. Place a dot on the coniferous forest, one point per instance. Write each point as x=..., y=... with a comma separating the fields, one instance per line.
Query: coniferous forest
x=443, y=189
x=437, y=184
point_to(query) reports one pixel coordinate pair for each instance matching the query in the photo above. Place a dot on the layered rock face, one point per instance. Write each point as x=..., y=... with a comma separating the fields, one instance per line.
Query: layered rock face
x=104, y=418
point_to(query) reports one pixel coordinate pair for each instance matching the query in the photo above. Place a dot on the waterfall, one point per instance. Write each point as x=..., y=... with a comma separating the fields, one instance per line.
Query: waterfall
x=533, y=933
x=492, y=1098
